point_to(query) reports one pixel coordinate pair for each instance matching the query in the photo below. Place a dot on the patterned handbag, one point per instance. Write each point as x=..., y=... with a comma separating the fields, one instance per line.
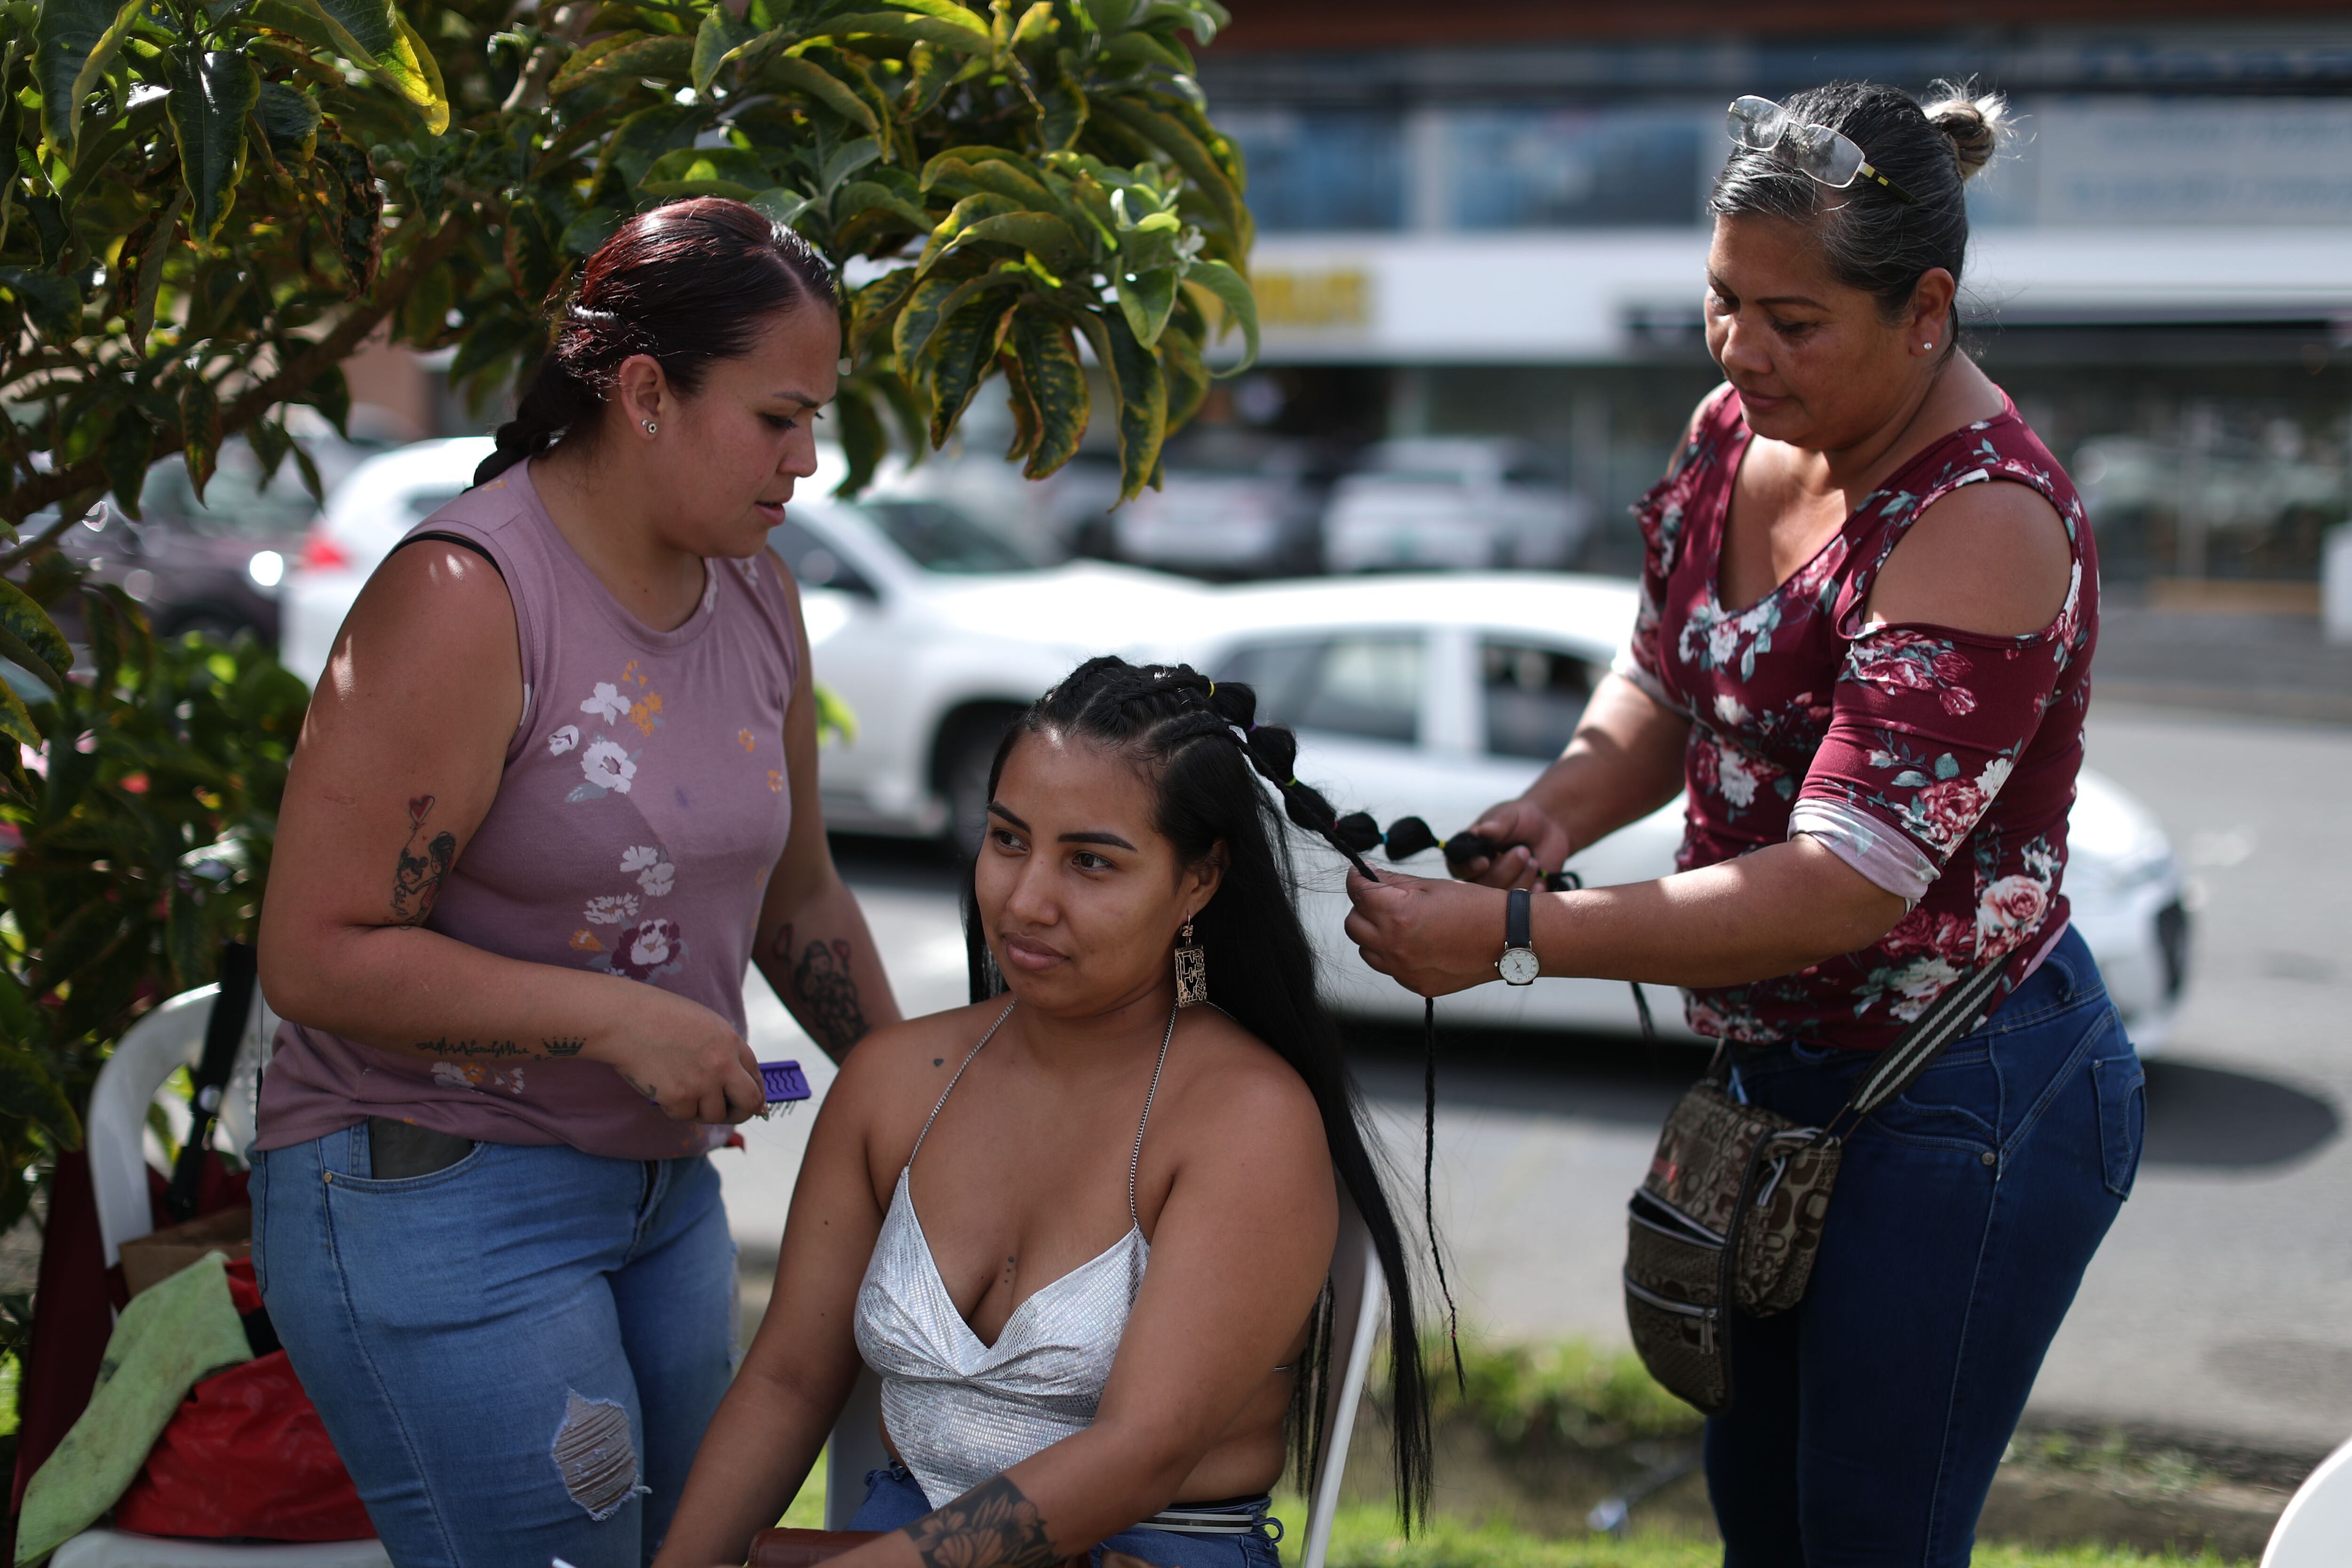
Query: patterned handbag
x=1732, y=1209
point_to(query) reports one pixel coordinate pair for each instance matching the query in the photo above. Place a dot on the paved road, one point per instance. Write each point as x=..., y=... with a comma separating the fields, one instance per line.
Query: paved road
x=2221, y=1305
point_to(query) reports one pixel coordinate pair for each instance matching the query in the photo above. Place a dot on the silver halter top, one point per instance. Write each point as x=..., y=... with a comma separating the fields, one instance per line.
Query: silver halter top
x=960, y=1411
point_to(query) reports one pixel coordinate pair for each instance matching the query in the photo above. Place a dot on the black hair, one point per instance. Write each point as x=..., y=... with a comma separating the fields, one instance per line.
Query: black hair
x=1872, y=239
x=689, y=283
x=1197, y=740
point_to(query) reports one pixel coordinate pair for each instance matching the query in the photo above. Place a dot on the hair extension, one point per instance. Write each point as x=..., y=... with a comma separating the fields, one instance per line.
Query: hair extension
x=690, y=283
x=1199, y=743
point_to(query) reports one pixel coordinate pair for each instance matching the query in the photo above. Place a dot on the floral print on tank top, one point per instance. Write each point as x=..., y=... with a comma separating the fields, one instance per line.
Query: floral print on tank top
x=1941, y=763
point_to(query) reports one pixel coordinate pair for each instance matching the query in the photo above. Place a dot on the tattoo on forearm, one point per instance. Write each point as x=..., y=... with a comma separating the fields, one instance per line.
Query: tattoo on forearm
x=991, y=1526
x=826, y=993
x=448, y=1048
x=416, y=881
x=572, y=1046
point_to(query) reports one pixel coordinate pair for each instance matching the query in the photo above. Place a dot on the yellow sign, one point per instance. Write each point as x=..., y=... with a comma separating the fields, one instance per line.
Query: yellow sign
x=1338, y=297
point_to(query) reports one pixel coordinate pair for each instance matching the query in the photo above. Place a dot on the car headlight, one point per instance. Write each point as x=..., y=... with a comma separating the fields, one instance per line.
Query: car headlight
x=267, y=568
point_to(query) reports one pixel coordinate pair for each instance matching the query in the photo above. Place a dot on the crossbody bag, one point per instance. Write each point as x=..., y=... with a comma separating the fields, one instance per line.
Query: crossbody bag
x=1731, y=1212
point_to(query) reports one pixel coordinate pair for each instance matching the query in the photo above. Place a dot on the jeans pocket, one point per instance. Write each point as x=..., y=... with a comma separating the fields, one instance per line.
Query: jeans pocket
x=2121, y=1085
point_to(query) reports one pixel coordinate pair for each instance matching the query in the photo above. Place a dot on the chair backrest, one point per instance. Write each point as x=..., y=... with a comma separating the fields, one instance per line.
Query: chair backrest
x=1358, y=1296
x=2316, y=1530
x=169, y=1037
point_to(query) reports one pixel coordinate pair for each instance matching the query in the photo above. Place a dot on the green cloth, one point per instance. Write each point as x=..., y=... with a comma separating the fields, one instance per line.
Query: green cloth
x=172, y=1335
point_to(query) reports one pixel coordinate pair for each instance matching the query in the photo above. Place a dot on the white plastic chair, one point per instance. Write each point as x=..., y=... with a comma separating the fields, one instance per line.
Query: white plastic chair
x=169, y=1037
x=2316, y=1530
x=1359, y=1296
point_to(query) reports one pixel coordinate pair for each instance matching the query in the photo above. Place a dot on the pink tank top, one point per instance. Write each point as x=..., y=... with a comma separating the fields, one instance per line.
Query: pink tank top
x=642, y=807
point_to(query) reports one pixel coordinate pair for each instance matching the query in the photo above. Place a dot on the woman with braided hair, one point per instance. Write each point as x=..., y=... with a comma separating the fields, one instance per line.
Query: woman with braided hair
x=1103, y=1328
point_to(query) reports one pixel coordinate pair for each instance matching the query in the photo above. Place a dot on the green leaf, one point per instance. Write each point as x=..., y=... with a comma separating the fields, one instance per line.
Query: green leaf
x=493, y=340
x=1048, y=236
x=960, y=350
x=662, y=58
x=31, y=638
x=933, y=300
x=28, y=1094
x=1194, y=159
x=364, y=30
x=863, y=442
x=129, y=447
x=359, y=216
x=416, y=74
x=53, y=303
x=294, y=19
x=798, y=75
x=870, y=196
x=200, y=425
x=16, y=719
x=1062, y=103
x=1232, y=292
x=1055, y=385
x=1142, y=405
x=270, y=444
x=73, y=43
x=705, y=171
x=928, y=72
x=973, y=209
x=780, y=206
x=1188, y=377
x=1145, y=299
x=587, y=234
x=721, y=35
x=970, y=40
x=289, y=119
x=210, y=98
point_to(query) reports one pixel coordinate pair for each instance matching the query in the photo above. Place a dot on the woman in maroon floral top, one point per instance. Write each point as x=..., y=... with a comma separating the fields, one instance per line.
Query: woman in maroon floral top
x=1863, y=653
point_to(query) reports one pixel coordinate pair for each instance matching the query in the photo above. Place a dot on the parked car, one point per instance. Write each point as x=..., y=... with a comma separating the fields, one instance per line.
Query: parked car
x=213, y=565
x=1438, y=696
x=934, y=629
x=1458, y=504
x=1232, y=503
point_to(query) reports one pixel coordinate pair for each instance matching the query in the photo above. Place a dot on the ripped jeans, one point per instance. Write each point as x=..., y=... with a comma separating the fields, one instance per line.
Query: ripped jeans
x=515, y=1356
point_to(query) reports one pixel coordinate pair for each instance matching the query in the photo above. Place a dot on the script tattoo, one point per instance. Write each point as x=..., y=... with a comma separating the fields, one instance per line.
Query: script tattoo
x=418, y=880
x=827, y=995
x=991, y=1526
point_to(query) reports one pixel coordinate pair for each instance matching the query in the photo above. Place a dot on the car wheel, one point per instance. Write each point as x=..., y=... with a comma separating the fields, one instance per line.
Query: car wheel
x=966, y=754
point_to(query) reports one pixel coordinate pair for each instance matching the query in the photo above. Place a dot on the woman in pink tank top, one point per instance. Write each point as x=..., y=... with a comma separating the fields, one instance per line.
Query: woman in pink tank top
x=1862, y=657
x=556, y=791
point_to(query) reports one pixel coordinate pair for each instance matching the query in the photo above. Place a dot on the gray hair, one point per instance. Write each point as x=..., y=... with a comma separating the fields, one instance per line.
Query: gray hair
x=1871, y=239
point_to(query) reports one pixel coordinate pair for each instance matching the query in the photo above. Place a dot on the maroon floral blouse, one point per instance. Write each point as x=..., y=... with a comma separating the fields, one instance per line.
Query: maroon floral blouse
x=1939, y=764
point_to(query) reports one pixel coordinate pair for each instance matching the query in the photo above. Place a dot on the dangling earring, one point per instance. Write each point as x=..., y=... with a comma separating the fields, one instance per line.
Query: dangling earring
x=1192, y=970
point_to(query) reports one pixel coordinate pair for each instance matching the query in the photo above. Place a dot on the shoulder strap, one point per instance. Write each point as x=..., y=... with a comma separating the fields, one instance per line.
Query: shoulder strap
x=958, y=1079
x=1956, y=1012
x=1135, y=1160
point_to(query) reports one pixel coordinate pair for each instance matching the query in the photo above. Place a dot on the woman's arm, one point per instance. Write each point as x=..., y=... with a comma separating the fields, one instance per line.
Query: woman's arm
x=399, y=760
x=803, y=1361
x=1624, y=762
x=1239, y=1253
x=1987, y=560
x=812, y=946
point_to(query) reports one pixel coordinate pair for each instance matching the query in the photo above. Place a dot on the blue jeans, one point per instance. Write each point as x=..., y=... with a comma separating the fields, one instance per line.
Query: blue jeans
x=894, y=1500
x=515, y=1356
x=1866, y=1424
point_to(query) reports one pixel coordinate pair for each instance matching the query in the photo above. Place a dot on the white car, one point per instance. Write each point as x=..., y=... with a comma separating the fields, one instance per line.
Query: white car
x=1438, y=696
x=1458, y=504
x=934, y=630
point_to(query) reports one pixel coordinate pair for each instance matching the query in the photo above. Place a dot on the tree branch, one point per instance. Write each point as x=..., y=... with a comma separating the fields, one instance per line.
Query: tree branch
x=291, y=378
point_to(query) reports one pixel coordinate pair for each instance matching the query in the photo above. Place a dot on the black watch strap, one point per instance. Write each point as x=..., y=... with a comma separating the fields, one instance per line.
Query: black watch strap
x=1517, y=919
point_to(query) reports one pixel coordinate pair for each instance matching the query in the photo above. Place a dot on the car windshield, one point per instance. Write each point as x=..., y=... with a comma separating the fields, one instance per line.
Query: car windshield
x=938, y=538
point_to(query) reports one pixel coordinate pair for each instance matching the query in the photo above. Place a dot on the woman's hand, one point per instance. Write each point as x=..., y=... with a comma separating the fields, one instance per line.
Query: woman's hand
x=683, y=1057
x=1431, y=937
x=1536, y=846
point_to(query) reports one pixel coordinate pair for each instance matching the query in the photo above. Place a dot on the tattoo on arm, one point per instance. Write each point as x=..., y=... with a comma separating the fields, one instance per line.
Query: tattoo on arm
x=570, y=1046
x=991, y=1526
x=424, y=862
x=824, y=990
x=445, y=1046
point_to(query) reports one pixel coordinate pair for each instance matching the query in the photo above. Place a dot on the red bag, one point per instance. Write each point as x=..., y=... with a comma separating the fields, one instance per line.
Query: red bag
x=246, y=1456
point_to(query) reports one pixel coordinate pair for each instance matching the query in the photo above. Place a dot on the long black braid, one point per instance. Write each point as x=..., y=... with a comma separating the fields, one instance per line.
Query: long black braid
x=1200, y=744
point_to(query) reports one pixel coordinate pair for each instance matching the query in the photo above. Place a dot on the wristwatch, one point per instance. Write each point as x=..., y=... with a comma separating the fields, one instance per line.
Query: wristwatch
x=1519, y=962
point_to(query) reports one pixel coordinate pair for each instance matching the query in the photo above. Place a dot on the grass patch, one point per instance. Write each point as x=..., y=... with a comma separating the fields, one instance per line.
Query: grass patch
x=1565, y=1391
x=1366, y=1536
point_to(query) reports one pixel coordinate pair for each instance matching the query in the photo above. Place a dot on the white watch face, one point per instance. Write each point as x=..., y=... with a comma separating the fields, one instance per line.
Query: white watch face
x=1519, y=966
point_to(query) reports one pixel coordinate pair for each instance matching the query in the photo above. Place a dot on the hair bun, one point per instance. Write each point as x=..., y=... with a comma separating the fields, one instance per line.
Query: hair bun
x=1975, y=124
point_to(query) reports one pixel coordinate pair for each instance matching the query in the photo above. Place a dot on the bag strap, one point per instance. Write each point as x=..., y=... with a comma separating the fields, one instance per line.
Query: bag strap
x=224, y=1031
x=1951, y=1016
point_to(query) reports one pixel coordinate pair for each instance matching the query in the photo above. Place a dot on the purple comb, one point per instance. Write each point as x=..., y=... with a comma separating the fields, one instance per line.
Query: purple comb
x=783, y=1081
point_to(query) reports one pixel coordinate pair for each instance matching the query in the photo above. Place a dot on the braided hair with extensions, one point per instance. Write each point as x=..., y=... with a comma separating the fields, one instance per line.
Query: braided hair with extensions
x=1195, y=740
x=689, y=283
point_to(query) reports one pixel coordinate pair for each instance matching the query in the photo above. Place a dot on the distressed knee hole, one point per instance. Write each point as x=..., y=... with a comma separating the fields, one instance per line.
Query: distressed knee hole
x=594, y=1456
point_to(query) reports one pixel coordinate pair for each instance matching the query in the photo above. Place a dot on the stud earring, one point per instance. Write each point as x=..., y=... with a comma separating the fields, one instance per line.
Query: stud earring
x=651, y=426
x=1926, y=345
x=1192, y=970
